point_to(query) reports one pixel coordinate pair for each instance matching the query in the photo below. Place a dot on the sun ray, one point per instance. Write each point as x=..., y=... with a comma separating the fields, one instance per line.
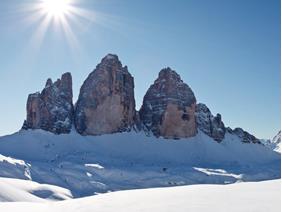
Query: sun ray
x=70, y=37
x=63, y=17
x=41, y=30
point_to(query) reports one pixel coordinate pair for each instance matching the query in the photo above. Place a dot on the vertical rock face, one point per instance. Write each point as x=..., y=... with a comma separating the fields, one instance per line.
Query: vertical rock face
x=52, y=109
x=210, y=125
x=168, y=108
x=106, y=101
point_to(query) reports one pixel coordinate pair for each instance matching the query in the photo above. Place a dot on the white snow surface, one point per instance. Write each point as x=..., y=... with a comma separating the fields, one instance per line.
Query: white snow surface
x=13, y=190
x=239, y=197
x=88, y=165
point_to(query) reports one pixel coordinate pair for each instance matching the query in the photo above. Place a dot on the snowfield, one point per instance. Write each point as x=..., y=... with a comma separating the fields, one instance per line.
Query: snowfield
x=89, y=165
x=15, y=190
x=239, y=197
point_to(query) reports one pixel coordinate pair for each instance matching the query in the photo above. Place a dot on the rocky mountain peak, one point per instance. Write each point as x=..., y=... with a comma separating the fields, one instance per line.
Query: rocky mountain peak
x=48, y=83
x=52, y=109
x=170, y=85
x=110, y=57
x=169, y=74
x=168, y=108
x=209, y=124
x=106, y=101
x=111, y=61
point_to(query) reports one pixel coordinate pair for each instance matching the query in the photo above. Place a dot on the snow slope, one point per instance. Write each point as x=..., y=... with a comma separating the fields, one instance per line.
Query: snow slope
x=88, y=165
x=13, y=190
x=239, y=197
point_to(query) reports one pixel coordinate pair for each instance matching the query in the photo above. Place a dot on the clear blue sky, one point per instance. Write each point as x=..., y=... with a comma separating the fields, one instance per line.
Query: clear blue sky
x=228, y=51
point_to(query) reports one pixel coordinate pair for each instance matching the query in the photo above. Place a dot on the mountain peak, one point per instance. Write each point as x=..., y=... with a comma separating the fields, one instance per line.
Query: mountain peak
x=110, y=63
x=110, y=58
x=169, y=74
x=49, y=82
x=52, y=109
x=106, y=101
x=168, y=108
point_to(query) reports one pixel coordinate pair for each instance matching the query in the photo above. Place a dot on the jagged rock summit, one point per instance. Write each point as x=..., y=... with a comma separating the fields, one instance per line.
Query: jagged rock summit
x=210, y=125
x=168, y=108
x=244, y=135
x=106, y=101
x=52, y=109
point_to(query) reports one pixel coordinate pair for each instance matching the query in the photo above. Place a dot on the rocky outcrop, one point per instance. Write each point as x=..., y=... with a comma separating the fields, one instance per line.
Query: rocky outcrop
x=244, y=136
x=52, y=109
x=209, y=124
x=106, y=101
x=168, y=108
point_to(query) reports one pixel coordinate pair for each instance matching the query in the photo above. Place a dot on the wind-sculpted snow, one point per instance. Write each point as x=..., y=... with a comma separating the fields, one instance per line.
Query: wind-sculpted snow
x=87, y=165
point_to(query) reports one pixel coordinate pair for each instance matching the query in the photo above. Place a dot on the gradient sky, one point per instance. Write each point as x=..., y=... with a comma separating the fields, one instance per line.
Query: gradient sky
x=227, y=51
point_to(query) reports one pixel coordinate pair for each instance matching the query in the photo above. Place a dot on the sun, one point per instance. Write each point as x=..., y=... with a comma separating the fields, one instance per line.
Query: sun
x=56, y=8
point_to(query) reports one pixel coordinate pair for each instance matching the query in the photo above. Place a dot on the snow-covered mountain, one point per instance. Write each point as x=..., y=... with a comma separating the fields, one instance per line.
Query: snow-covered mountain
x=274, y=143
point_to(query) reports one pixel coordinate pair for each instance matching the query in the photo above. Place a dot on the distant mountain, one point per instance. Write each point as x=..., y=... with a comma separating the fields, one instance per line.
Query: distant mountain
x=273, y=144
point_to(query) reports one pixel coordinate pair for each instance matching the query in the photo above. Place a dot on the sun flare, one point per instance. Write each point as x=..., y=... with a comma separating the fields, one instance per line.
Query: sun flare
x=63, y=18
x=56, y=8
